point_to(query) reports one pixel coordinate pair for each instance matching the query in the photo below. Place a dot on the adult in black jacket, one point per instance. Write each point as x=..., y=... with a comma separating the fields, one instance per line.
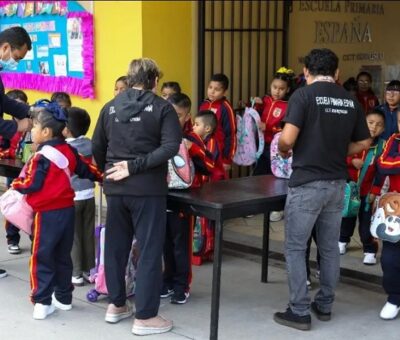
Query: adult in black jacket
x=14, y=44
x=137, y=132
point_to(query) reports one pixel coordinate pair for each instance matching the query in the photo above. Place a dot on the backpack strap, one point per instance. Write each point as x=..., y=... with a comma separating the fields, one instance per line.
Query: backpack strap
x=365, y=166
x=256, y=117
x=56, y=157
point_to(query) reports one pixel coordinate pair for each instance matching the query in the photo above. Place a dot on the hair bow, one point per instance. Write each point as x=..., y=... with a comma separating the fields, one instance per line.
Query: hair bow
x=56, y=110
x=285, y=70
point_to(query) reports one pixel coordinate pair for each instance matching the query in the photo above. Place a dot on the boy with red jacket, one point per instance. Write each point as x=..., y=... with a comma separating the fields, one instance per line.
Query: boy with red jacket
x=376, y=124
x=225, y=133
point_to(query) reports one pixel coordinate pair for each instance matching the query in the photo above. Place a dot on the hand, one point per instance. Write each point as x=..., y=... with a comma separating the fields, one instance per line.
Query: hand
x=371, y=198
x=227, y=167
x=258, y=100
x=118, y=171
x=285, y=154
x=188, y=143
x=357, y=163
x=24, y=125
x=263, y=126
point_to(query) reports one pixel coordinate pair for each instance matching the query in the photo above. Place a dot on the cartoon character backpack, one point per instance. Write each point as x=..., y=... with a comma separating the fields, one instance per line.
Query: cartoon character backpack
x=248, y=131
x=280, y=167
x=180, y=169
x=203, y=240
x=385, y=222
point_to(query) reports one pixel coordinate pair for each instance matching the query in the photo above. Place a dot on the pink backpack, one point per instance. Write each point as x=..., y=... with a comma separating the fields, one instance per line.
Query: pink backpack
x=13, y=204
x=248, y=131
x=280, y=167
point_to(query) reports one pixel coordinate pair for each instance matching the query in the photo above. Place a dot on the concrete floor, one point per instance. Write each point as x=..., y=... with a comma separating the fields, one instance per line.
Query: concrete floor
x=247, y=307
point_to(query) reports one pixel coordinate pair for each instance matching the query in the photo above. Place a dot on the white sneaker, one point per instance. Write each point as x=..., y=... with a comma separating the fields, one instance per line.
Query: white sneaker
x=342, y=248
x=275, y=216
x=389, y=311
x=369, y=259
x=40, y=311
x=77, y=280
x=60, y=305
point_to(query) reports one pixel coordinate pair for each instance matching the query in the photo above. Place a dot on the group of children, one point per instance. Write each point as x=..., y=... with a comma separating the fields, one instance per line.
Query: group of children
x=210, y=138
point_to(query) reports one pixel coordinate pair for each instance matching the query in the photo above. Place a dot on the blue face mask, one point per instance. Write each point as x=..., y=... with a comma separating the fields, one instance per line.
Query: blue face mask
x=8, y=65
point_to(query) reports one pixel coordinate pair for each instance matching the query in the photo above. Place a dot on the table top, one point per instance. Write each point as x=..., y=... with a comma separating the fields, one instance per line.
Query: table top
x=10, y=167
x=233, y=193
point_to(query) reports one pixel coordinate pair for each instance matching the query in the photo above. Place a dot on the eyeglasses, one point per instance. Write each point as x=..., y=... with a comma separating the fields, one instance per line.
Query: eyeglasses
x=363, y=81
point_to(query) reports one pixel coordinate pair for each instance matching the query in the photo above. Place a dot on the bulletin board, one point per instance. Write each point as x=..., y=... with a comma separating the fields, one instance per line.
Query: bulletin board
x=62, y=54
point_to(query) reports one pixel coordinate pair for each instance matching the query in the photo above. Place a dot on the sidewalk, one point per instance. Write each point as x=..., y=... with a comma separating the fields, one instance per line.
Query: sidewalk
x=247, y=307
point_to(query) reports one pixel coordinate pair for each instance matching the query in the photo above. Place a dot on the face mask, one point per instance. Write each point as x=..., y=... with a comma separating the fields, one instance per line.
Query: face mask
x=8, y=65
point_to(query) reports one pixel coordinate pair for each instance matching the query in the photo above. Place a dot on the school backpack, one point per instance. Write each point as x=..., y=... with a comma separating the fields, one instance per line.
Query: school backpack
x=248, y=132
x=203, y=240
x=180, y=169
x=280, y=167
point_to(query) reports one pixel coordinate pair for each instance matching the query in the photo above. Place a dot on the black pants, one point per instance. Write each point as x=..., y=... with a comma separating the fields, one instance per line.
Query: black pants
x=176, y=252
x=144, y=217
x=390, y=261
x=83, y=255
x=263, y=165
x=50, y=263
x=364, y=223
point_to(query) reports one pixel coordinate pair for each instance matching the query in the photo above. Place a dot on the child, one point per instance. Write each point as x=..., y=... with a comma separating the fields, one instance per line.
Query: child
x=225, y=133
x=62, y=98
x=376, y=125
x=388, y=164
x=272, y=109
x=390, y=107
x=8, y=150
x=48, y=191
x=83, y=253
x=169, y=88
x=177, y=247
x=364, y=93
x=121, y=84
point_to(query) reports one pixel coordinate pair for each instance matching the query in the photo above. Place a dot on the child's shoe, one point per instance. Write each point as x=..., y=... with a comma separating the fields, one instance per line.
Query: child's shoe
x=275, y=216
x=14, y=249
x=342, y=248
x=40, y=311
x=60, y=305
x=3, y=273
x=166, y=291
x=180, y=298
x=369, y=259
x=77, y=281
x=389, y=311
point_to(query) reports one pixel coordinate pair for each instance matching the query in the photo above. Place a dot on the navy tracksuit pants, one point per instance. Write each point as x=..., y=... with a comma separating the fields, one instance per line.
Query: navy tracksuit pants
x=177, y=264
x=144, y=217
x=390, y=261
x=50, y=263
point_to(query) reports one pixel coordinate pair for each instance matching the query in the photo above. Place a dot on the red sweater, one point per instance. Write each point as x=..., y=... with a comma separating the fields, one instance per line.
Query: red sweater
x=225, y=133
x=47, y=187
x=11, y=150
x=368, y=100
x=272, y=113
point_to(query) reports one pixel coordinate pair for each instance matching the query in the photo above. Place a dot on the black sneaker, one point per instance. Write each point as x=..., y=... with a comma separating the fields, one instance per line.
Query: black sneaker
x=320, y=315
x=3, y=273
x=166, y=292
x=179, y=298
x=290, y=319
x=14, y=249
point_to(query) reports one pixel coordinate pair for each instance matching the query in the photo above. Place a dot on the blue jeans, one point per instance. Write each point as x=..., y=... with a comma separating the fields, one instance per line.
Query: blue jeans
x=316, y=203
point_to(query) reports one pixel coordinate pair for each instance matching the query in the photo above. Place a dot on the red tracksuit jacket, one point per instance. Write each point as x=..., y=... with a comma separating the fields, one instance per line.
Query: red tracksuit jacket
x=225, y=133
x=368, y=100
x=46, y=185
x=272, y=112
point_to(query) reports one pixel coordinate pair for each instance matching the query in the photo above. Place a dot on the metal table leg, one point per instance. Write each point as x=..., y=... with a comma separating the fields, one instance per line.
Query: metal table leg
x=265, y=248
x=216, y=280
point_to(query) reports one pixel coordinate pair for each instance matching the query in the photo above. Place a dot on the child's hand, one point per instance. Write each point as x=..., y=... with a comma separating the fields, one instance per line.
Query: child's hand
x=371, y=198
x=188, y=143
x=357, y=163
x=258, y=100
x=286, y=154
x=262, y=126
